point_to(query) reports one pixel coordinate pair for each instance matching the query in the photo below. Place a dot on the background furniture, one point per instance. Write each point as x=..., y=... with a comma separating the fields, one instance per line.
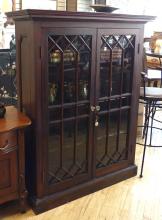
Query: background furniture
x=151, y=97
x=12, y=173
x=78, y=82
x=8, y=94
x=153, y=69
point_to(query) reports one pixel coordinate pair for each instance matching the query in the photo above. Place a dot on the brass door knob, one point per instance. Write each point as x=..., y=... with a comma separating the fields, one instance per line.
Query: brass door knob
x=93, y=108
x=98, y=108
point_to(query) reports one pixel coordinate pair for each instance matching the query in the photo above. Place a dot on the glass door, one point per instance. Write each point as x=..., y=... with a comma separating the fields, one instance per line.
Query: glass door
x=114, y=84
x=69, y=96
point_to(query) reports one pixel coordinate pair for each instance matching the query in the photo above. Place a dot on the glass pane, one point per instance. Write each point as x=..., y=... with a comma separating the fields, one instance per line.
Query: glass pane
x=83, y=89
x=114, y=103
x=116, y=64
x=53, y=153
x=54, y=95
x=69, y=86
x=113, y=122
x=112, y=143
x=116, y=71
x=123, y=146
x=55, y=114
x=69, y=71
x=113, y=137
x=126, y=101
x=124, y=120
x=69, y=112
x=83, y=109
x=101, y=142
x=128, y=69
x=123, y=134
x=103, y=105
x=81, y=145
x=68, y=146
x=69, y=67
x=104, y=71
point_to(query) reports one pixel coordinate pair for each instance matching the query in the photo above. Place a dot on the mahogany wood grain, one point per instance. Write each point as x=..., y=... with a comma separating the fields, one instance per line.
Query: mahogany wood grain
x=86, y=16
x=13, y=119
x=12, y=156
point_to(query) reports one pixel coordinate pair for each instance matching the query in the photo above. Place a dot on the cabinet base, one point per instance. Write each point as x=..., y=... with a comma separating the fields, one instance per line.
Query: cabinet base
x=40, y=205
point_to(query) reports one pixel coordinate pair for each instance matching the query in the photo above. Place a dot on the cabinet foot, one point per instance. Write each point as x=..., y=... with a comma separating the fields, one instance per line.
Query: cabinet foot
x=23, y=201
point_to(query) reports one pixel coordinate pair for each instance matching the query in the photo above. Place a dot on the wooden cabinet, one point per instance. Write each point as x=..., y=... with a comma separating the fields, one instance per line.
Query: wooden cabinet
x=12, y=176
x=78, y=81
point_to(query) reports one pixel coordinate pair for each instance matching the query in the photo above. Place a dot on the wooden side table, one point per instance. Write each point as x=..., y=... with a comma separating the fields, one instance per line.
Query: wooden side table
x=12, y=156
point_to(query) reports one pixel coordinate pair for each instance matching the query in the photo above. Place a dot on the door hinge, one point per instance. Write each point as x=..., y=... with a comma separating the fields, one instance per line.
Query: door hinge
x=138, y=48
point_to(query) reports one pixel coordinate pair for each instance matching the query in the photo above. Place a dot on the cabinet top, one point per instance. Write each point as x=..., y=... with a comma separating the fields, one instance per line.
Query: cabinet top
x=13, y=119
x=34, y=14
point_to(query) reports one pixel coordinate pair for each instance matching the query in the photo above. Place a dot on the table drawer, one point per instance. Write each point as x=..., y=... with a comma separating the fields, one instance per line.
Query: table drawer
x=8, y=174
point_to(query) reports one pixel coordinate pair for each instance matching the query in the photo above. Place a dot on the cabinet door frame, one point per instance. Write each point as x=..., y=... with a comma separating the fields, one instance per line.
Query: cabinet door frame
x=134, y=99
x=44, y=78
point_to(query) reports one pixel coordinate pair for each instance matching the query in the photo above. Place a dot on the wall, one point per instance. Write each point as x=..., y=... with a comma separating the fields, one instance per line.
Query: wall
x=5, y=33
x=138, y=7
x=61, y=5
x=5, y=5
x=39, y=4
x=83, y=5
x=141, y=7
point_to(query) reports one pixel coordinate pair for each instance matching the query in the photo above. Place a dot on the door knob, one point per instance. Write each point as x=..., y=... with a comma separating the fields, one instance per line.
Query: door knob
x=93, y=108
x=98, y=108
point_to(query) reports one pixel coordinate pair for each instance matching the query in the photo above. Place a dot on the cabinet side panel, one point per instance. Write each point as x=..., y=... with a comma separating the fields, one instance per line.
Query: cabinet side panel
x=26, y=92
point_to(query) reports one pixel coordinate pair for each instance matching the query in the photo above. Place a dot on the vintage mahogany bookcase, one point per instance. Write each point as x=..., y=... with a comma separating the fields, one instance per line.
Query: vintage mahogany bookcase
x=78, y=80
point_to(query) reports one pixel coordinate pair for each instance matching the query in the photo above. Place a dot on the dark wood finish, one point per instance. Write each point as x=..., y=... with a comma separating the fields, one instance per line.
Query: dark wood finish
x=50, y=15
x=65, y=158
x=12, y=169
